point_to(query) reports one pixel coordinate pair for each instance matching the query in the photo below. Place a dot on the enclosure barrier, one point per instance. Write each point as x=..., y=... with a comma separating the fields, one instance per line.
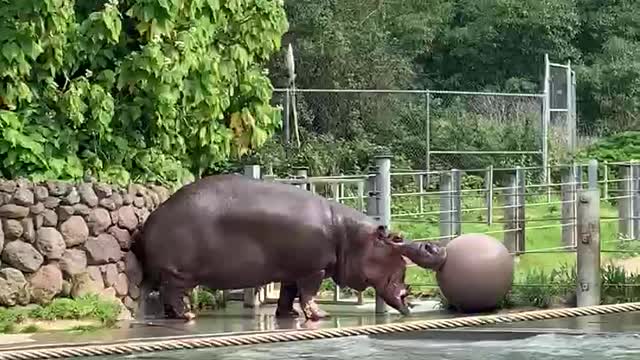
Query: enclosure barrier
x=218, y=341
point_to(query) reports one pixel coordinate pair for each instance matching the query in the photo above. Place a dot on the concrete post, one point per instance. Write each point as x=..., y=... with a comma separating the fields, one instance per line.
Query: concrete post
x=488, y=187
x=635, y=199
x=625, y=203
x=568, y=189
x=251, y=299
x=510, y=216
x=446, y=208
x=521, y=191
x=383, y=186
x=456, y=202
x=588, y=249
x=592, y=174
x=372, y=198
x=302, y=172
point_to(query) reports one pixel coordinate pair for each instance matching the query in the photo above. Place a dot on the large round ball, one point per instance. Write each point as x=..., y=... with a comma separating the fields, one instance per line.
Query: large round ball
x=477, y=274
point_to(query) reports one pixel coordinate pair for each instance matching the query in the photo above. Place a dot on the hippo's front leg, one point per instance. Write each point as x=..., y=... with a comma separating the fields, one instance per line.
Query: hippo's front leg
x=288, y=294
x=308, y=288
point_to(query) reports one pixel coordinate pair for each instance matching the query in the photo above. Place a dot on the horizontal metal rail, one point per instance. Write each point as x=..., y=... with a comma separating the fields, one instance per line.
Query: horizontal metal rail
x=407, y=91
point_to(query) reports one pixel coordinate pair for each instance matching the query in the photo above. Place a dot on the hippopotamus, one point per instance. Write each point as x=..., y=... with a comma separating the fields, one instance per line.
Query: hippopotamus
x=233, y=232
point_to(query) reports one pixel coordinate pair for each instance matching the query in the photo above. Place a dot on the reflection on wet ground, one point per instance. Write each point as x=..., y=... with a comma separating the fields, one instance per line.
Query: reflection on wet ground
x=233, y=319
x=591, y=337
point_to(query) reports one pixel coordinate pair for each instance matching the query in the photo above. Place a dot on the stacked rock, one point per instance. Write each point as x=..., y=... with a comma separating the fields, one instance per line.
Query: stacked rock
x=59, y=239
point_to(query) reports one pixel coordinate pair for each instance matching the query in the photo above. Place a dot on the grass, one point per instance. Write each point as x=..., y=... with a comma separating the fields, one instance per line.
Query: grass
x=542, y=233
x=90, y=307
x=541, y=277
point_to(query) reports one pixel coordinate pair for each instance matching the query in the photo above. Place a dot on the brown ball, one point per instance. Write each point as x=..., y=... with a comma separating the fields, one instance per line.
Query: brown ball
x=477, y=274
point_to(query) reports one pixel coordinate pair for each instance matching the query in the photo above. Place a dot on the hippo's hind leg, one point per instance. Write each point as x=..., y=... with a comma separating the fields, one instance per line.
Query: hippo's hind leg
x=173, y=292
x=288, y=294
x=308, y=288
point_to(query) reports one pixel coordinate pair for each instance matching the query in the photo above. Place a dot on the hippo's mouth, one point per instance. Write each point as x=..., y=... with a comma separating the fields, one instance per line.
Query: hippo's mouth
x=396, y=297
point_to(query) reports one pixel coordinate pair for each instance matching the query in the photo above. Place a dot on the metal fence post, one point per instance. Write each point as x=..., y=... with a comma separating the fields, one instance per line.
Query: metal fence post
x=383, y=186
x=635, y=189
x=588, y=248
x=521, y=191
x=303, y=173
x=446, y=211
x=488, y=187
x=514, y=213
x=592, y=174
x=251, y=298
x=456, y=202
x=420, y=181
x=625, y=203
x=568, y=189
x=605, y=180
x=372, y=198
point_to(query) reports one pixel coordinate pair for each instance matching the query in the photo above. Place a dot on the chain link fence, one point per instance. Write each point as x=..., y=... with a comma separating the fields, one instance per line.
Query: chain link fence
x=427, y=130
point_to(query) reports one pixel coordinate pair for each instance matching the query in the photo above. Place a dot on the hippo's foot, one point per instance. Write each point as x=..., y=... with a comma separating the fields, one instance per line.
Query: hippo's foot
x=312, y=311
x=170, y=313
x=308, y=288
x=287, y=313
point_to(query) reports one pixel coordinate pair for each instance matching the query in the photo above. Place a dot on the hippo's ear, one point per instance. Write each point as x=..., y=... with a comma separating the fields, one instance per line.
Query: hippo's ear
x=381, y=232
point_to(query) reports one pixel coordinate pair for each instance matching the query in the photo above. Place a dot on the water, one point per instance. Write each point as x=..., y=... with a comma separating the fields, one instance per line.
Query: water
x=619, y=346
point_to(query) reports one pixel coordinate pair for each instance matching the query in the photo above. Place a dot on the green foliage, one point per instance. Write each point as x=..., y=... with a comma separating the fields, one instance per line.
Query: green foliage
x=206, y=299
x=134, y=90
x=620, y=147
x=493, y=45
x=87, y=307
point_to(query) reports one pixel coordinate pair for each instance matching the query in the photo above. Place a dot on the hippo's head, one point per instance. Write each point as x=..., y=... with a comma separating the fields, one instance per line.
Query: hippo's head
x=384, y=264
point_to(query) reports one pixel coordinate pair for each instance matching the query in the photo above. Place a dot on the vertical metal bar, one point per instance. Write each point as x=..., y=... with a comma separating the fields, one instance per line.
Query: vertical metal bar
x=570, y=129
x=510, y=218
x=456, y=202
x=335, y=191
x=383, y=186
x=251, y=297
x=625, y=203
x=446, y=211
x=588, y=252
x=568, y=190
x=520, y=211
x=488, y=186
x=287, y=121
x=635, y=199
x=428, y=131
x=572, y=110
x=421, y=186
x=546, y=119
x=361, y=203
x=605, y=175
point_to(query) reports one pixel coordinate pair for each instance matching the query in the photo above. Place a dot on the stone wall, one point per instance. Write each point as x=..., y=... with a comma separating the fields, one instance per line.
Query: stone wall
x=61, y=239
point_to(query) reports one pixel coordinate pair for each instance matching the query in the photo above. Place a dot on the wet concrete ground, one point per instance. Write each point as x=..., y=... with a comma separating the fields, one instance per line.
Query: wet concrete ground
x=236, y=319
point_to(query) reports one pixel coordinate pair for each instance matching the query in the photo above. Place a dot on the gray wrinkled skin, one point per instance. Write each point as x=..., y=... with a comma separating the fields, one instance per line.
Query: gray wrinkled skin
x=232, y=232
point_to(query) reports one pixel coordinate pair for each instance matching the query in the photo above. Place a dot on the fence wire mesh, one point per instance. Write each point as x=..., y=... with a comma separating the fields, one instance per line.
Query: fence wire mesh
x=423, y=129
x=546, y=248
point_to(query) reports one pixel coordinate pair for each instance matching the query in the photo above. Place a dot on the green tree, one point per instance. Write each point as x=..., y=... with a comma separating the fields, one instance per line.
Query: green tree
x=609, y=77
x=134, y=90
x=500, y=44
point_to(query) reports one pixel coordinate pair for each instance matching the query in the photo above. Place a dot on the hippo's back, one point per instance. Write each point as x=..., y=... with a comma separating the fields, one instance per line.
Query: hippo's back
x=256, y=223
